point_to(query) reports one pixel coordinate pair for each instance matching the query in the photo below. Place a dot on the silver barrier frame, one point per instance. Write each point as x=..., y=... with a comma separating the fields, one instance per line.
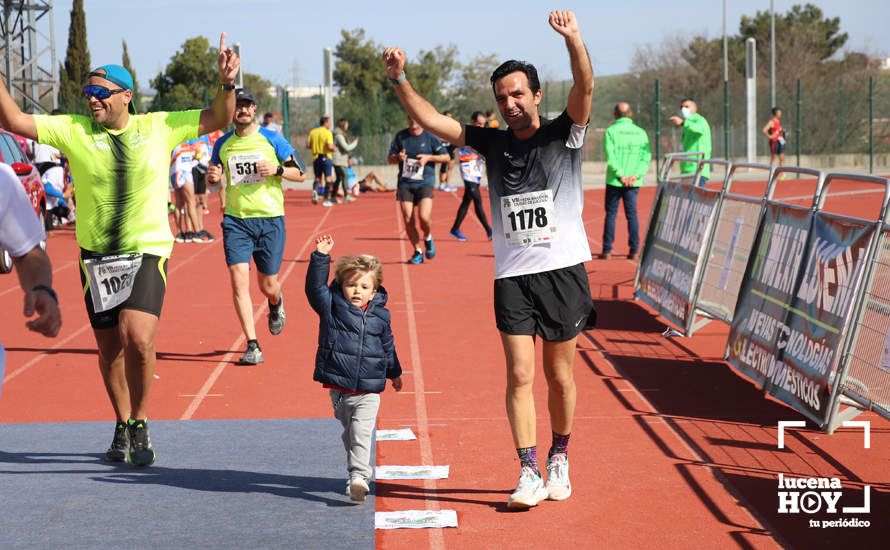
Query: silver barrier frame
x=727, y=192
x=700, y=161
x=691, y=324
x=669, y=160
x=835, y=415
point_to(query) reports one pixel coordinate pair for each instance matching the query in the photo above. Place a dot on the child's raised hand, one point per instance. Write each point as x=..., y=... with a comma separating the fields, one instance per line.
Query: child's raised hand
x=397, y=383
x=324, y=244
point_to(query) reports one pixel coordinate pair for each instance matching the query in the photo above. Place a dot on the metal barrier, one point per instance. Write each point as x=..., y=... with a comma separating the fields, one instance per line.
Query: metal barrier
x=730, y=246
x=680, y=226
x=806, y=291
x=862, y=379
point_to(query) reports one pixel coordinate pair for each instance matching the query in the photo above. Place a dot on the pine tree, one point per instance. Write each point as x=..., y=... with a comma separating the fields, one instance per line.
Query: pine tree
x=77, y=63
x=127, y=65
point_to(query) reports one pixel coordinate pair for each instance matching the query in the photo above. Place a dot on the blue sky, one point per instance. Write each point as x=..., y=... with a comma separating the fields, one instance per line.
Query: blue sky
x=282, y=40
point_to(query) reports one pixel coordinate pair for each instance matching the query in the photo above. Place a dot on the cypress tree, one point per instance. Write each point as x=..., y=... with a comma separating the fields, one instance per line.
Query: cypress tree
x=127, y=65
x=77, y=63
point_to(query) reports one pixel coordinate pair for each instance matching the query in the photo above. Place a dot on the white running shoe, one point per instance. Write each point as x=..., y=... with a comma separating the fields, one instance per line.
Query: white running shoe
x=558, y=485
x=529, y=492
x=358, y=489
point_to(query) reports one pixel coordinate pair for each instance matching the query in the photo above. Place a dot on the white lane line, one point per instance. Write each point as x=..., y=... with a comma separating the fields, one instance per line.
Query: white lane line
x=437, y=539
x=226, y=360
x=85, y=327
x=55, y=271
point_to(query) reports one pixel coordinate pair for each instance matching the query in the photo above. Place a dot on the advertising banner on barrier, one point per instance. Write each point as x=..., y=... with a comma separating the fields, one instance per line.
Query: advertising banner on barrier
x=795, y=302
x=668, y=268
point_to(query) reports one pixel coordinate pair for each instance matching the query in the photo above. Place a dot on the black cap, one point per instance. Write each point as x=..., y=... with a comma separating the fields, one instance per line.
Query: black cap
x=243, y=94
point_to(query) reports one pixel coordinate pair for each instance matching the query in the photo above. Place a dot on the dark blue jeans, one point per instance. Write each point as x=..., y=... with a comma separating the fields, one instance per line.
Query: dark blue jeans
x=629, y=195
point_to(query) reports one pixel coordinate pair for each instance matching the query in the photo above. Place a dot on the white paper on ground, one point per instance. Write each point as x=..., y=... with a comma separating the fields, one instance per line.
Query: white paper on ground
x=395, y=435
x=411, y=472
x=415, y=519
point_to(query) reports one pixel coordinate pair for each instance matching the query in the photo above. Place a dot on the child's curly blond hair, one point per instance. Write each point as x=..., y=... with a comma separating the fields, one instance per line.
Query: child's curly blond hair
x=348, y=268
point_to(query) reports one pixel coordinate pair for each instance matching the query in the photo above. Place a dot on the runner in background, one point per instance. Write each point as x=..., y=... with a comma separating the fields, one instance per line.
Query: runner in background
x=120, y=161
x=445, y=167
x=540, y=243
x=342, y=147
x=321, y=143
x=472, y=166
x=250, y=162
x=416, y=151
x=776, y=135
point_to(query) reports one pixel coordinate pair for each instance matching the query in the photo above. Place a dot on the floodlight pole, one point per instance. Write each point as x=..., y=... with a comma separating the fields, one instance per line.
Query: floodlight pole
x=772, y=55
x=725, y=89
x=751, y=97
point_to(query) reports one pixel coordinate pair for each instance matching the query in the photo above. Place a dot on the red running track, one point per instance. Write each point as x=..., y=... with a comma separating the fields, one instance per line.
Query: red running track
x=670, y=447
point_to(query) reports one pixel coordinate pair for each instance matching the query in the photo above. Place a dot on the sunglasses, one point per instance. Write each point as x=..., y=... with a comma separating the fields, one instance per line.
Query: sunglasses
x=100, y=92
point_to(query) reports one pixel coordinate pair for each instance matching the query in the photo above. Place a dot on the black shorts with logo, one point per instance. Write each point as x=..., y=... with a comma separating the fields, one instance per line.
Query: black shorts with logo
x=554, y=304
x=149, y=288
x=414, y=194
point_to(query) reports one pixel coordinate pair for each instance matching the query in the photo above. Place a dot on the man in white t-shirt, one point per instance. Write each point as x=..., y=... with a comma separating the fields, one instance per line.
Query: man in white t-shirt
x=540, y=244
x=20, y=235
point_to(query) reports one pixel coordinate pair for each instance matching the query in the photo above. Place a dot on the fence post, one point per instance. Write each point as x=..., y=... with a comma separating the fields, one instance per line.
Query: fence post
x=726, y=154
x=285, y=113
x=797, y=126
x=840, y=117
x=871, y=125
x=657, y=127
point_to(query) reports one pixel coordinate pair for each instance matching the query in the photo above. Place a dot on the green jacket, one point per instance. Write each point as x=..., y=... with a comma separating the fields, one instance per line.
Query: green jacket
x=627, y=152
x=696, y=137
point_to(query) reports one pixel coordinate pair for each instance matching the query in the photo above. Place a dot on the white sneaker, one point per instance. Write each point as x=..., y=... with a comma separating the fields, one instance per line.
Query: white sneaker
x=558, y=485
x=327, y=203
x=529, y=492
x=358, y=489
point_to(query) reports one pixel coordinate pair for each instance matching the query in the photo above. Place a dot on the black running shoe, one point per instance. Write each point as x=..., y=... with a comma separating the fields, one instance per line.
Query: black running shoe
x=141, y=452
x=120, y=445
x=277, y=315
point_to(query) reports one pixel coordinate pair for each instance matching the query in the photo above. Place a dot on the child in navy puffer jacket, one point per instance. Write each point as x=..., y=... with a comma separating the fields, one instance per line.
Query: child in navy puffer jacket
x=356, y=353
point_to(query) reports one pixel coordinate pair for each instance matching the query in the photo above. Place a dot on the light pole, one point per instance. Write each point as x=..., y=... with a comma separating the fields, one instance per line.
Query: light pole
x=772, y=55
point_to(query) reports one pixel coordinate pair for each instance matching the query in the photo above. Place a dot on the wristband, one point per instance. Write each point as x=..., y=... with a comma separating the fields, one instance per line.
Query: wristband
x=226, y=87
x=279, y=171
x=396, y=81
x=48, y=290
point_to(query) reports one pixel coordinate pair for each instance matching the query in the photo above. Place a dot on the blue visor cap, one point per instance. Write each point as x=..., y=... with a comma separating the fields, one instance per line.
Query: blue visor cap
x=117, y=74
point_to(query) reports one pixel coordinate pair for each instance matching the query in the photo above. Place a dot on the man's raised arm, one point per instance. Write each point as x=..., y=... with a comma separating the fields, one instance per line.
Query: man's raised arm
x=416, y=105
x=220, y=113
x=581, y=93
x=12, y=118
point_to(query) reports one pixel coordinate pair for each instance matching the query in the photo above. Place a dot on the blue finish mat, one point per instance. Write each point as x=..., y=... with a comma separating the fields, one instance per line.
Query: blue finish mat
x=215, y=484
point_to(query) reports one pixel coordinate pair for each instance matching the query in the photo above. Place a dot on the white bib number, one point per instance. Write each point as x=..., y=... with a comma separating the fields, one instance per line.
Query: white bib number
x=111, y=279
x=244, y=168
x=412, y=170
x=472, y=170
x=528, y=218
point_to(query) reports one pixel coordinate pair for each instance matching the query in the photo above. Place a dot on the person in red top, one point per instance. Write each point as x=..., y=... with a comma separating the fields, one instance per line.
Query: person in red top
x=776, y=134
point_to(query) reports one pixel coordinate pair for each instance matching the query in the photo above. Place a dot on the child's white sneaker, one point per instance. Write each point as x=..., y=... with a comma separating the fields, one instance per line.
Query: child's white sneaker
x=358, y=489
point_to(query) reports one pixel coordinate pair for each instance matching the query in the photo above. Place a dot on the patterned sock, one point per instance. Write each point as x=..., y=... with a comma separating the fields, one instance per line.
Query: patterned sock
x=560, y=444
x=528, y=456
x=253, y=344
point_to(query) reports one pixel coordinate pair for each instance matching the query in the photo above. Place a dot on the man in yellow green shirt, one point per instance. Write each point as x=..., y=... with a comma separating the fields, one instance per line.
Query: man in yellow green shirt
x=627, y=161
x=120, y=161
x=321, y=142
x=250, y=162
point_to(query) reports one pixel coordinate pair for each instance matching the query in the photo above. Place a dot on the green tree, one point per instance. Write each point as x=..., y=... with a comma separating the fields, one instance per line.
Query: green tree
x=77, y=63
x=125, y=61
x=190, y=79
x=365, y=97
x=259, y=87
x=472, y=87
